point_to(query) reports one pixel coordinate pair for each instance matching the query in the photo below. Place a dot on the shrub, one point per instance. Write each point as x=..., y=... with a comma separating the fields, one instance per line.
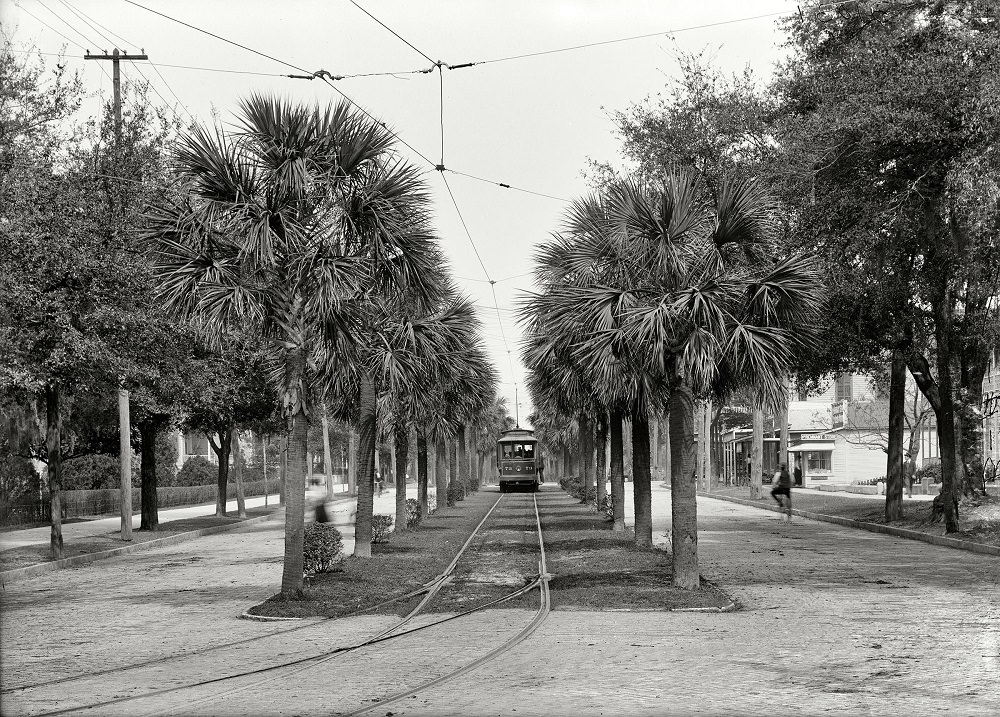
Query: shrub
x=166, y=459
x=322, y=546
x=91, y=472
x=456, y=492
x=413, y=516
x=18, y=479
x=198, y=471
x=381, y=525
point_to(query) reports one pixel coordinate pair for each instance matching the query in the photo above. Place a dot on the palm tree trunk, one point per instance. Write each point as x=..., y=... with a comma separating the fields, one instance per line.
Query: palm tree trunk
x=352, y=465
x=148, y=508
x=440, y=474
x=463, y=457
x=366, y=468
x=601, y=467
x=617, y=472
x=453, y=478
x=327, y=455
x=897, y=418
x=654, y=446
x=683, y=491
x=641, y=488
x=295, y=499
x=757, y=454
x=422, y=471
x=667, y=457
x=53, y=446
x=699, y=418
x=283, y=478
x=402, y=436
x=585, y=452
x=241, y=500
x=707, y=432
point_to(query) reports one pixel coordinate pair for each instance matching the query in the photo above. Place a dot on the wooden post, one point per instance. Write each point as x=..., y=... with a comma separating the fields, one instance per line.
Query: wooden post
x=125, y=453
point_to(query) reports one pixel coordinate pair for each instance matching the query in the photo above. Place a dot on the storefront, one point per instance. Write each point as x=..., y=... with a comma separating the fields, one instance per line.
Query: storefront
x=815, y=456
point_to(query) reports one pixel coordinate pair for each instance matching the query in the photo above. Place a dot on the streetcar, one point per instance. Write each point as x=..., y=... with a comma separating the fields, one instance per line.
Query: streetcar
x=518, y=459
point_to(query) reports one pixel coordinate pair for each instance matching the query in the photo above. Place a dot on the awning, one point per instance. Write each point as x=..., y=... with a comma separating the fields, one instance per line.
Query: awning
x=812, y=446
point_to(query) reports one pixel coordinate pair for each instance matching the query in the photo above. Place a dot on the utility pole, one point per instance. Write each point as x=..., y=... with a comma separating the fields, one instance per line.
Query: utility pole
x=124, y=427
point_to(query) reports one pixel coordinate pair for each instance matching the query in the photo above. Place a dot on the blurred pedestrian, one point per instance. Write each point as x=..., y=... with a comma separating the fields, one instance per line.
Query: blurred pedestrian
x=783, y=487
x=909, y=470
x=541, y=469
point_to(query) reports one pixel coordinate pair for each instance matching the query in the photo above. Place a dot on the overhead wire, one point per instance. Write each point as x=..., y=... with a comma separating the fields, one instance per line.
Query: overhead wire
x=644, y=36
x=63, y=21
x=111, y=43
x=72, y=42
x=217, y=37
x=407, y=42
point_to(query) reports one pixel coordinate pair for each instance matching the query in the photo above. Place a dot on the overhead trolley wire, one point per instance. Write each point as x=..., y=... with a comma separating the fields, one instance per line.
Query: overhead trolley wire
x=217, y=37
x=407, y=42
x=329, y=78
x=644, y=36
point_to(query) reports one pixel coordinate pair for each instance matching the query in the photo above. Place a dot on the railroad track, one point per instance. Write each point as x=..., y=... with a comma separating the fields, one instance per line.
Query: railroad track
x=230, y=684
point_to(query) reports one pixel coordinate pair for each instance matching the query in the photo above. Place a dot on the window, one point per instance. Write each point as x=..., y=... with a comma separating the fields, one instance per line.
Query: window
x=843, y=388
x=819, y=461
x=195, y=444
x=524, y=450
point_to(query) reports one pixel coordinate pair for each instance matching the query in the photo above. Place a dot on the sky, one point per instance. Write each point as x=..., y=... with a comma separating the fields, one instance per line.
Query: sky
x=530, y=115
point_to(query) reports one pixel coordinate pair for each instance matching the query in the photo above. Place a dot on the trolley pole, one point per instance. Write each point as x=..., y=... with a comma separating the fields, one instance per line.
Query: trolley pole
x=124, y=429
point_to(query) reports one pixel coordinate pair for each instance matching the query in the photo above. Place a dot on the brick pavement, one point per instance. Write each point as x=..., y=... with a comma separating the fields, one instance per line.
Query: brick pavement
x=834, y=621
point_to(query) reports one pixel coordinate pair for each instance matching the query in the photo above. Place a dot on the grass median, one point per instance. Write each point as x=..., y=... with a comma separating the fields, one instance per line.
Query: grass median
x=592, y=568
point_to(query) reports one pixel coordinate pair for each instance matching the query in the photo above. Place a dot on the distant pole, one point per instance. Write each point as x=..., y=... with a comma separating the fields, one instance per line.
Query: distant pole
x=124, y=427
x=125, y=452
x=263, y=448
x=116, y=57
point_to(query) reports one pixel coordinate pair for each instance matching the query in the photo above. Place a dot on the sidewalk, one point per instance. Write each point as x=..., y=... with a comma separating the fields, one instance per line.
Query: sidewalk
x=25, y=552
x=19, y=538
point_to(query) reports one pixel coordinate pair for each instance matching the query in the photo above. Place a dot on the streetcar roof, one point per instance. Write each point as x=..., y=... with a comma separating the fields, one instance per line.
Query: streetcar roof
x=519, y=435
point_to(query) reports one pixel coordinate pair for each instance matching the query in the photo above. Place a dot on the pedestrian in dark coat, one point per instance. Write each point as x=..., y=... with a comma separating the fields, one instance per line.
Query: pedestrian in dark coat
x=783, y=487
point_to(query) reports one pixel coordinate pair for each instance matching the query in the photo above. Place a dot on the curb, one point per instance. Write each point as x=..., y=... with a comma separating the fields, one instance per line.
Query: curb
x=51, y=566
x=264, y=618
x=941, y=540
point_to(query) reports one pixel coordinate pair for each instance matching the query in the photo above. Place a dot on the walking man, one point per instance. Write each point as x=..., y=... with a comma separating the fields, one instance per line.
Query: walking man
x=783, y=487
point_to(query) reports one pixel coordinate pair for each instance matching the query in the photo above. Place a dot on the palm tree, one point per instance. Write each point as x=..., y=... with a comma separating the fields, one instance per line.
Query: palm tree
x=294, y=224
x=489, y=425
x=697, y=299
x=575, y=319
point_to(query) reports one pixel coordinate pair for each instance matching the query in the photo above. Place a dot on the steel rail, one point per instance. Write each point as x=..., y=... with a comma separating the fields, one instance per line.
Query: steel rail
x=430, y=589
x=544, y=608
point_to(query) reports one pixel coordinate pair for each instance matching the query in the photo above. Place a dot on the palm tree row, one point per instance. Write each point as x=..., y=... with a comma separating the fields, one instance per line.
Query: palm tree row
x=654, y=294
x=304, y=224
